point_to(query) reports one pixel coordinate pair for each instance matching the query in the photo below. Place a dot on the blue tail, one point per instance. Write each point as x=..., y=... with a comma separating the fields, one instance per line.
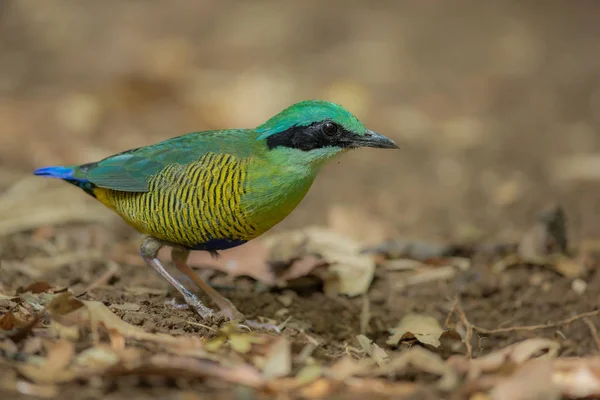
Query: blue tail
x=66, y=173
x=56, y=172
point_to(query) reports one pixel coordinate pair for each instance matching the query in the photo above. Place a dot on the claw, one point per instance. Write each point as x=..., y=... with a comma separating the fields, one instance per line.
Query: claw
x=178, y=306
x=251, y=324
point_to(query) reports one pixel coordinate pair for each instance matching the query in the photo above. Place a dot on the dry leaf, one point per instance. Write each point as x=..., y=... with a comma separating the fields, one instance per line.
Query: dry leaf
x=248, y=260
x=348, y=367
x=349, y=272
x=178, y=366
x=242, y=342
x=9, y=382
x=98, y=314
x=54, y=367
x=67, y=310
x=512, y=355
x=62, y=304
x=426, y=329
x=8, y=322
x=309, y=373
x=98, y=358
x=567, y=267
x=319, y=389
x=578, y=377
x=423, y=360
x=532, y=381
x=215, y=344
x=60, y=331
x=278, y=361
x=35, y=288
x=373, y=350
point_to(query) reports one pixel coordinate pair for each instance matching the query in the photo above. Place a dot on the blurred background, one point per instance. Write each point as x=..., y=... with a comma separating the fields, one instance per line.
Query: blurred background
x=496, y=105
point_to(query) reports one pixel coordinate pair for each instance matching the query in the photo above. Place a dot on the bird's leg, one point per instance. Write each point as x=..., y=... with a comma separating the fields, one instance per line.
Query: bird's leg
x=179, y=257
x=149, y=250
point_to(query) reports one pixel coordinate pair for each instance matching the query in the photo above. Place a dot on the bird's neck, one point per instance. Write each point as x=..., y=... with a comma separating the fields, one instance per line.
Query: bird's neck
x=278, y=182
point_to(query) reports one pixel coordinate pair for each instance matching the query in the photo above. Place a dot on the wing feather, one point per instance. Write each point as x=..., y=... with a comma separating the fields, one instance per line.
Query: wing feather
x=132, y=170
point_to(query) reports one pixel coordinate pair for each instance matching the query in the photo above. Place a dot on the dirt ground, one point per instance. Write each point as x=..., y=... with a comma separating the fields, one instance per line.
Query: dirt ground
x=496, y=109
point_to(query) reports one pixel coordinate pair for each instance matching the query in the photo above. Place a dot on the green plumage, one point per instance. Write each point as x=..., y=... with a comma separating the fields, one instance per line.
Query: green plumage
x=218, y=189
x=215, y=189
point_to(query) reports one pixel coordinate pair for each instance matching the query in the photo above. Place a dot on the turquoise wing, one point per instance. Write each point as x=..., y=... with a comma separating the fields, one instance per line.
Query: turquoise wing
x=131, y=170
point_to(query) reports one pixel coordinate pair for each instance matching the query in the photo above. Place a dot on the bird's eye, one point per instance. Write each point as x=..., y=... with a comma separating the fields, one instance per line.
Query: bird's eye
x=330, y=129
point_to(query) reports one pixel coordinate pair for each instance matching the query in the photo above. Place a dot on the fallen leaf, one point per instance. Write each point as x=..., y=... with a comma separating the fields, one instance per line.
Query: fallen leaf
x=567, y=267
x=348, y=272
x=426, y=275
x=242, y=342
x=425, y=328
x=423, y=360
x=513, y=355
x=9, y=382
x=318, y=389
x=215, y=344
x=248, y=260
x=348, y=367
x=309, y=373
x=532, y=381
x=62, y=304
x=278, y=360
x=97, y=358
x=54, y=367
x=69, y=311
x=180, y=366
x=373, y=350
x=60, y=331
x=300, y=268
x=98, y=314
x=8, y=322
x=451, y=342
x=578, y=377
x=390, y=390
x=35, y=288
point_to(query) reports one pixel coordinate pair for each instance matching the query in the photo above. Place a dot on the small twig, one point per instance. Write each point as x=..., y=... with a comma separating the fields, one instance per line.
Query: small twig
x=468, y=327
x=593, y=330
x=451, y=313
x=210, y=328
x=555, y=324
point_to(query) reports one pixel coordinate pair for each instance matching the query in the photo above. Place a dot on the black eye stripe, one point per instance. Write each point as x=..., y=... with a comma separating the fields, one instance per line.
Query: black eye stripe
x=309, y=137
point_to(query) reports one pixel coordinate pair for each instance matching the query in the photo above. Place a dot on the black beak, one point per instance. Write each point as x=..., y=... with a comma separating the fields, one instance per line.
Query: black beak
x=373, y=139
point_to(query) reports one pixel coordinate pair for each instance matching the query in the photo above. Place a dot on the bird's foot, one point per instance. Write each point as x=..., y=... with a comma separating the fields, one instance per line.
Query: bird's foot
x=232, y=314
x=267, y=326
x=177, y=306
x=195, y=304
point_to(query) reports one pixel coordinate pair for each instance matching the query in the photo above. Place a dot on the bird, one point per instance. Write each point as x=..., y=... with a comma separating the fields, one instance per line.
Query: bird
x=217, y=189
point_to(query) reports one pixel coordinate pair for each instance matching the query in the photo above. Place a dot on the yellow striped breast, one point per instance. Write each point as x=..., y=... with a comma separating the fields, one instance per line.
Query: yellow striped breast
x=190, y=204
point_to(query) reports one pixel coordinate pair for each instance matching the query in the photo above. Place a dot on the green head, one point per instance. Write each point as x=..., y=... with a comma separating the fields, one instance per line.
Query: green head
x=316, y=130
